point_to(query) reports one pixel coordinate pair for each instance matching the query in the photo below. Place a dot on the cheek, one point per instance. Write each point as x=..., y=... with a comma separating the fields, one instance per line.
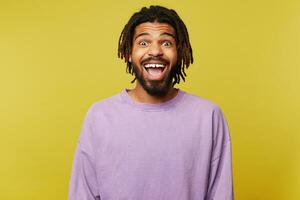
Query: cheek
x=172, y=55
x=136, y=55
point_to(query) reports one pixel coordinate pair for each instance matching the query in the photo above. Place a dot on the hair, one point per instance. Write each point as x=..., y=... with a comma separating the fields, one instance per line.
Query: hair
x=161, y=15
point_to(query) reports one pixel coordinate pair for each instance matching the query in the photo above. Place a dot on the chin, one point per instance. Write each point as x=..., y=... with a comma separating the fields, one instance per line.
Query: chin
x=157, y=91
x=156, y=88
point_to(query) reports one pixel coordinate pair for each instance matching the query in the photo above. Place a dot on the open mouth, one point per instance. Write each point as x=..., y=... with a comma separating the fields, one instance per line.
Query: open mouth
x=155, y=69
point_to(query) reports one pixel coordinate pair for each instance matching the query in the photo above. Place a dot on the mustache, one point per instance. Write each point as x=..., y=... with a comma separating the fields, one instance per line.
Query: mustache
x=154, y=58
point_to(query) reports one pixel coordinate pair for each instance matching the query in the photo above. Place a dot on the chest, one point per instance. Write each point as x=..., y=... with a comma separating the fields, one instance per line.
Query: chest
x=152, y=137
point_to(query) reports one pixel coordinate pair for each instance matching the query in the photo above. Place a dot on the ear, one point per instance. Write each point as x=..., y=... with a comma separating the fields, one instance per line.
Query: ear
x=129, y=59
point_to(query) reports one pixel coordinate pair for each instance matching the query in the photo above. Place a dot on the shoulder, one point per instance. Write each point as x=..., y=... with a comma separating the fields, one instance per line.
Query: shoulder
x=106, y=105
x=199, y=103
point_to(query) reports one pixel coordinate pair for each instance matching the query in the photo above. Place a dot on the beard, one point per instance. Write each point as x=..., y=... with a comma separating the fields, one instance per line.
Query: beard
x=157, y=88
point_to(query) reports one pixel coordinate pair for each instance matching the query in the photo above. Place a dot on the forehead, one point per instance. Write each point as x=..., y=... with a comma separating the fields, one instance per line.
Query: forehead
x=154, y=28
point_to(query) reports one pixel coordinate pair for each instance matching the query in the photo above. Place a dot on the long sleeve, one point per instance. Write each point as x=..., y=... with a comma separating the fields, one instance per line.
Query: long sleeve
x=83, y=183
x=220, y=181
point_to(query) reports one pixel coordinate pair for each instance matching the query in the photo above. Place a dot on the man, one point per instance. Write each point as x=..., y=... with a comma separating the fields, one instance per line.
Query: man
x=153, y=142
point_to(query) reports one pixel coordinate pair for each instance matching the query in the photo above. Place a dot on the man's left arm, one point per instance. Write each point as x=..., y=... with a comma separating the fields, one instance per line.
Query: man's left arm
x=220, y=181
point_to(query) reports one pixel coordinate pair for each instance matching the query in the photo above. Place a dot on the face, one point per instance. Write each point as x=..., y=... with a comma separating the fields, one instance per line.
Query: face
x=154, y=57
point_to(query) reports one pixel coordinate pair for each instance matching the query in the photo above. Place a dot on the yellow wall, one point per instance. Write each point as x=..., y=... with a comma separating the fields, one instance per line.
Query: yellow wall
x=58, y=57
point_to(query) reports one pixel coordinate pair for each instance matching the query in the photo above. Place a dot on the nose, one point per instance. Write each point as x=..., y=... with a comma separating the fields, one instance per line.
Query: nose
x=155, y=50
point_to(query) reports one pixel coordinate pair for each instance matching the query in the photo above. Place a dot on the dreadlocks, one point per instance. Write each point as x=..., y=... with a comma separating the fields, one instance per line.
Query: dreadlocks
x=161, y=15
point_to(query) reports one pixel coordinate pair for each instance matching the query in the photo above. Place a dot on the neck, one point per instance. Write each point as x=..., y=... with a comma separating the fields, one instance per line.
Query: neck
x=140, y=95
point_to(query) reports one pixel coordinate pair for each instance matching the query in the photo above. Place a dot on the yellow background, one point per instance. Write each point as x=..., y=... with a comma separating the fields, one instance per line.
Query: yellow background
x=59, y=57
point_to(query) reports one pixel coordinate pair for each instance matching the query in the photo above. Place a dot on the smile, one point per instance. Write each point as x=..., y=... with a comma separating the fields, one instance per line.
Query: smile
x=155, y=70
x=154, y=66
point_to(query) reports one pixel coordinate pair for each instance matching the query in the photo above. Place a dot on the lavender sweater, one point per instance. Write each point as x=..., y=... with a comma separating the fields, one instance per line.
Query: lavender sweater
x=177, y=150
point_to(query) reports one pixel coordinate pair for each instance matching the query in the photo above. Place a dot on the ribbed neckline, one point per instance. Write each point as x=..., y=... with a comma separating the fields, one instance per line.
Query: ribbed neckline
x=152, y=107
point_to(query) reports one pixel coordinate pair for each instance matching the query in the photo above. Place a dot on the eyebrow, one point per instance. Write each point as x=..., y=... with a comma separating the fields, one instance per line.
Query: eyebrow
x=164, y=33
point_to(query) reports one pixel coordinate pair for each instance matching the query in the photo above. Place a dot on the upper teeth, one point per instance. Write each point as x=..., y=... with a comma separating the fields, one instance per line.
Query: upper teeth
x=154, y=65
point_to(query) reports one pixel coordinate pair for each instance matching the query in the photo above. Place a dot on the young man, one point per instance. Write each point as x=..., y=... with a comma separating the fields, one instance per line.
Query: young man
x=153, y=142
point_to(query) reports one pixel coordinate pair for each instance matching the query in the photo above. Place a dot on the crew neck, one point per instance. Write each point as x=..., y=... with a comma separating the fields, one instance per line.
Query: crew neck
x=149, y=106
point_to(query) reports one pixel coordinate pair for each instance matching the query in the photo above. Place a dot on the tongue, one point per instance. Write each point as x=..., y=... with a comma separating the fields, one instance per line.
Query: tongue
x=154, y=71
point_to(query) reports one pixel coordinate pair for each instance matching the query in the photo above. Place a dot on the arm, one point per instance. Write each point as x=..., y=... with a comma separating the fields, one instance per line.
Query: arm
x=220, y=181
x=83, y=183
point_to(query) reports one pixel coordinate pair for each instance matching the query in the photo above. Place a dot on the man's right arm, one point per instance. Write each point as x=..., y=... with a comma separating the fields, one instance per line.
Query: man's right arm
x=83, y=183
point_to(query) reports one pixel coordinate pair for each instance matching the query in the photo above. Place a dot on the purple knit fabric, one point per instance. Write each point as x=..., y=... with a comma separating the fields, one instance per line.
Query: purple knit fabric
x=176, y=150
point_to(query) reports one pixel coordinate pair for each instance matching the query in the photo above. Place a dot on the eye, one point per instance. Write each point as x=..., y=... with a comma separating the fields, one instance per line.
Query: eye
x=143, y=43
x=167, y=43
